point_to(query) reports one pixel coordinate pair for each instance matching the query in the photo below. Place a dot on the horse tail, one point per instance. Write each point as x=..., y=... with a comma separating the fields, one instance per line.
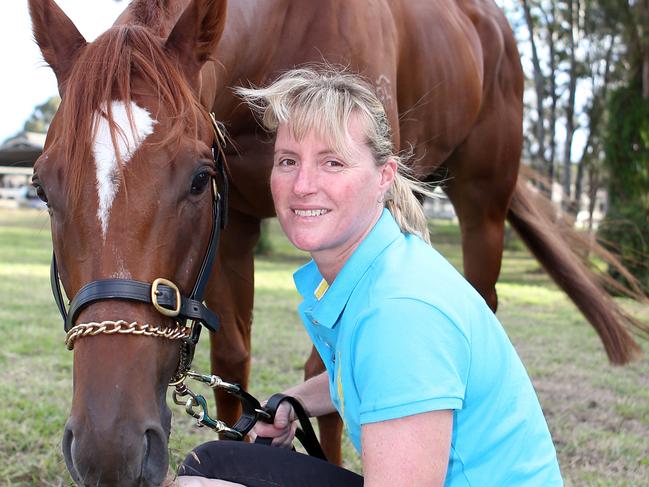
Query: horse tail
x=563, y=253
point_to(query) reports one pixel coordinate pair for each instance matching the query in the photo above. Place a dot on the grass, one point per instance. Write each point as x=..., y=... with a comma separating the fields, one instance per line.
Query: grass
x=598, y=414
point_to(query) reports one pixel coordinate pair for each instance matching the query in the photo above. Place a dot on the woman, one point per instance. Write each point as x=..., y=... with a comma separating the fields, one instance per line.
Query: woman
x=429, y=386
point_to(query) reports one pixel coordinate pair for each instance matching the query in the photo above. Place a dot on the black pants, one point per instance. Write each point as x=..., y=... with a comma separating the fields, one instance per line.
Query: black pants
x=257, y=465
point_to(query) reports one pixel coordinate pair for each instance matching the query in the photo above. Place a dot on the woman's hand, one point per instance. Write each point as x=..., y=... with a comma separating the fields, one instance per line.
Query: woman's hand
x=314, y=396
x=282, y=430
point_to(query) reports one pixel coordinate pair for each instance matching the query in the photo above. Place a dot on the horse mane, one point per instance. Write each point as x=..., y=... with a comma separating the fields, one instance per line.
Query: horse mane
x=104, y=72
x=150, y=13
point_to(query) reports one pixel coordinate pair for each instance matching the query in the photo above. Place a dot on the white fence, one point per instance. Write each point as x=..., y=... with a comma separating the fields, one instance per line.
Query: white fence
x=15, y=188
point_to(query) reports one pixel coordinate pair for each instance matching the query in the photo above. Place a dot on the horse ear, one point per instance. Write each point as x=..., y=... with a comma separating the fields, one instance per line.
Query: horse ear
x=194, y=37
x=57, y=37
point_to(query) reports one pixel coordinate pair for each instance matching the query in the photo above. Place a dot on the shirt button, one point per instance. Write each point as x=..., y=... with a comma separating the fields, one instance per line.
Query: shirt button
x=315, y=322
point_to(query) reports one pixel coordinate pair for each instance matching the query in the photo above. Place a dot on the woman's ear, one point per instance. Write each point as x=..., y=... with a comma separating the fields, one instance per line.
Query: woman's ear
x=388, y=172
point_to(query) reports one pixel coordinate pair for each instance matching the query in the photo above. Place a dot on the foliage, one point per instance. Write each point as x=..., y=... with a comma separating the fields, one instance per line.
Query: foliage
x=627, y=157
x=597, y=46
x=567, y=48
x=40, y=119
x=264, y=245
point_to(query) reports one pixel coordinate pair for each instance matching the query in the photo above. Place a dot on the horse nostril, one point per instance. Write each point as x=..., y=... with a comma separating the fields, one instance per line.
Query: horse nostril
x=155, y=456
x=67, y=446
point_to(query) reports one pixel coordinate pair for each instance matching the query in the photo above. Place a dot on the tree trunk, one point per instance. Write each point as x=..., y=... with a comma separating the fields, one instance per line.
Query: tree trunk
x=552, y=35
x=593, y=142
x=645, y=73
x=644, y=45
x=593, y=186
x=570, y=108
x=539, y=82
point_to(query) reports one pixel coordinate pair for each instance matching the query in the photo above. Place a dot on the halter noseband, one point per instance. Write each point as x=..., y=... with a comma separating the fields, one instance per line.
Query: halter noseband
x=162, y=294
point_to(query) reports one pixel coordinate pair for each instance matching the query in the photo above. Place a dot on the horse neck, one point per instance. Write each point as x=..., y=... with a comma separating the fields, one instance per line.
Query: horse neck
x=254, y=35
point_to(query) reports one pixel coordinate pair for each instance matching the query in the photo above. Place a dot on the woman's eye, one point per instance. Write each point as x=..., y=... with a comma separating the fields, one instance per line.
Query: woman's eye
x=200, y=182
x=286, y=163
x=332, y=163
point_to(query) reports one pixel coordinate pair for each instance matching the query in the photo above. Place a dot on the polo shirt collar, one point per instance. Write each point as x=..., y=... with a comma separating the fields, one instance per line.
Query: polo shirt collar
x=327, y=310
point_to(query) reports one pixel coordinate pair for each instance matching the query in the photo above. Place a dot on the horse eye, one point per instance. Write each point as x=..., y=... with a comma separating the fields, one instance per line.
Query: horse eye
x=200, y=182
x=40, y=192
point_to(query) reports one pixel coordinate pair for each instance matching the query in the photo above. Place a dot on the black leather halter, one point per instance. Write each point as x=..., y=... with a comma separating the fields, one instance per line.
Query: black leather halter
x=162, y=293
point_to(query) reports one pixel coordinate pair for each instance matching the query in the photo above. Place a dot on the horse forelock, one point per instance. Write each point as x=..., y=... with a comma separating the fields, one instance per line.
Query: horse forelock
x=151, y=13
x=104, y=74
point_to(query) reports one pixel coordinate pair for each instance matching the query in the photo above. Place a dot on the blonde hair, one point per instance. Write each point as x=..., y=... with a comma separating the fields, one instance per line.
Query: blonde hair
x=322, y=99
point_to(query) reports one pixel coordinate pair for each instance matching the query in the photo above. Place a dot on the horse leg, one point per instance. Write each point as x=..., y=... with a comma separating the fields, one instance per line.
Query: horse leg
x=230, y=295
x=330, y=426
x=482, y=223
x=480, y=187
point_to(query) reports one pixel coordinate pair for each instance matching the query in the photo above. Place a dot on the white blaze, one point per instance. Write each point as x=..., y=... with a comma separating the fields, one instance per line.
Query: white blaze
x=128, y=140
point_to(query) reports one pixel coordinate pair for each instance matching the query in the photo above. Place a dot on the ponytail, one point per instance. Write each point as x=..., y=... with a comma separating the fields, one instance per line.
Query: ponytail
x=406, y=209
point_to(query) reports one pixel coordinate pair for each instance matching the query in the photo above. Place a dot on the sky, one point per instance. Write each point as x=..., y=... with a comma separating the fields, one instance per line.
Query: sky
x=25, y=79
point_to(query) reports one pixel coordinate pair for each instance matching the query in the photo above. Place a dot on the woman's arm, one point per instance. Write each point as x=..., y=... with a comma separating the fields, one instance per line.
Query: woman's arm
x=408, y=451
x=314, y=396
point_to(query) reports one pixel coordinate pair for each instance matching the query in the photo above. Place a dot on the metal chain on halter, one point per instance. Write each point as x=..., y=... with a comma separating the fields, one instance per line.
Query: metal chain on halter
x=123, y=327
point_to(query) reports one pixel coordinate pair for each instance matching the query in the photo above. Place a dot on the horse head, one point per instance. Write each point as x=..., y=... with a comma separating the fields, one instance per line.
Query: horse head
x=127, y=174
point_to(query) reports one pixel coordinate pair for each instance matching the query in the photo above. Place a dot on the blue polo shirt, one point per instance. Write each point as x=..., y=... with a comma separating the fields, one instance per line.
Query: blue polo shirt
x=401, y=332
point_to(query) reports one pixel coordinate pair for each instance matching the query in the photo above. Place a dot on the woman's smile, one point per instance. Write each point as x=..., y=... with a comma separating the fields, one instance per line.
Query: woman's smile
x=309, y=213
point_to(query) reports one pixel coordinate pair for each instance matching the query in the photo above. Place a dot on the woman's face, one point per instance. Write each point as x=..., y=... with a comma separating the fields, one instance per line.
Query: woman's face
x=326, y=202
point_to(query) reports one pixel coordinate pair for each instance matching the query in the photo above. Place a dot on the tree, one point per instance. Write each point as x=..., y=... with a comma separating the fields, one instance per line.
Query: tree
x=592, y=158
x=627, y=156
x=627, y=140
x=40, y=119
x=559, y=43
x=599, y=48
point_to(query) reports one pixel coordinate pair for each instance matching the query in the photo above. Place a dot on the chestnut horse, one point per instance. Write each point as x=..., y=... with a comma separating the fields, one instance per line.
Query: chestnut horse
x=127, y=163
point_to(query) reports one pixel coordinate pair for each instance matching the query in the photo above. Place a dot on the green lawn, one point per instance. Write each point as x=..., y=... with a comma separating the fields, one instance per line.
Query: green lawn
x=598, y=414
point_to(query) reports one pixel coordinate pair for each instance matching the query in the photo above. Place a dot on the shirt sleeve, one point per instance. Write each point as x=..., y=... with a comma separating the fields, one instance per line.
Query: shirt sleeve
x=408, y=358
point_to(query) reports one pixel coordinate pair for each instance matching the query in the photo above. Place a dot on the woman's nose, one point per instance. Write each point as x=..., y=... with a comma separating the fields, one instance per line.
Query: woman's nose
x=305, y=181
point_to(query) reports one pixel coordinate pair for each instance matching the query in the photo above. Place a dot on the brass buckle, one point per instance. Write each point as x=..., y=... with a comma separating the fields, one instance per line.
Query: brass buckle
x=154, y=297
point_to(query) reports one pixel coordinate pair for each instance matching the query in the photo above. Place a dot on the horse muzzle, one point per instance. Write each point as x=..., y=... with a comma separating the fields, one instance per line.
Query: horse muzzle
x=116, y=455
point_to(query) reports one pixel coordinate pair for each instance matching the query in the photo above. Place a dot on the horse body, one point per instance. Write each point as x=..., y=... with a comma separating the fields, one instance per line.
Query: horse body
x=449, y=75
x=450, y=78
x=403, y=47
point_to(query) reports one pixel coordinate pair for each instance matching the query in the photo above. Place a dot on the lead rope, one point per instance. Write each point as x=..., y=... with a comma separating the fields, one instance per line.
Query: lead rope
x=253, y=411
